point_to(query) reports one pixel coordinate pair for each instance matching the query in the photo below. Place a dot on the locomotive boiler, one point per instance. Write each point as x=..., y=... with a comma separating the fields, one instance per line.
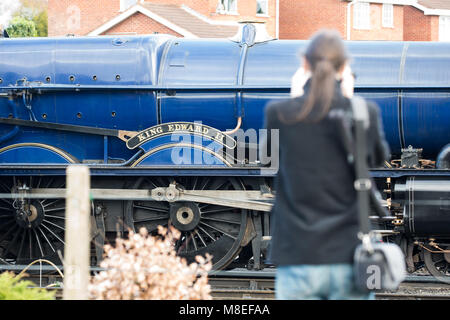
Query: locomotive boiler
x=157, y=120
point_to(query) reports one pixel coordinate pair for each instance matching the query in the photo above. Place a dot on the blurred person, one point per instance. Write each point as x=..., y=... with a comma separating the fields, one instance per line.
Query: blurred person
x=314, y=218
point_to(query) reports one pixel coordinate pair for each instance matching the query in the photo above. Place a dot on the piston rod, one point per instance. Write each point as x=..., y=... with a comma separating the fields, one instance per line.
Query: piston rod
x=242, y=199
x=251, y=200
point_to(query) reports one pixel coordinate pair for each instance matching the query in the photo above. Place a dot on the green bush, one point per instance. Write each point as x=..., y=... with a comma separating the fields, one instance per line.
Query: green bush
x=21, y=27
x=12, y=288
x=40, y=21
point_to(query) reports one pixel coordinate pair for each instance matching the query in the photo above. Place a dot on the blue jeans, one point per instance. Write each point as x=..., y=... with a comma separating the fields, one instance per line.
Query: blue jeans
x=313, y=282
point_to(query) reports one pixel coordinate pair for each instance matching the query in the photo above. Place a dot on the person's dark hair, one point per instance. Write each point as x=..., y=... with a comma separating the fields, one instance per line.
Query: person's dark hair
x=326, y=55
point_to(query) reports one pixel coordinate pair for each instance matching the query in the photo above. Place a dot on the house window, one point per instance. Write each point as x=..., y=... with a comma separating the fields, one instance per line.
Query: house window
x=262, y=7
x=126, y=4
x=361, y=15
x=444, y=28
x=227, y=6
x=388, y=15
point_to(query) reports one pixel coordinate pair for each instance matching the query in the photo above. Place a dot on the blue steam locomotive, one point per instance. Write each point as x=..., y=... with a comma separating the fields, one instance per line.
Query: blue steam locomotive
x=157, y=120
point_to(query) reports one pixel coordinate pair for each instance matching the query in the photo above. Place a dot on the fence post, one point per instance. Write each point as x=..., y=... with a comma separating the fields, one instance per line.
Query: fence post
x=77, y=244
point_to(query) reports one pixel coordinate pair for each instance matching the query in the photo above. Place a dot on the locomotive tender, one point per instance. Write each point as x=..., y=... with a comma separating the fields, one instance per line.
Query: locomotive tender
x=116, y=103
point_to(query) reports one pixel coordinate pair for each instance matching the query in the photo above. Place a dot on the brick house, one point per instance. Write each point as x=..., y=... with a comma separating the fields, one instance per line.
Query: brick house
x=182, y=18
x=408, y=20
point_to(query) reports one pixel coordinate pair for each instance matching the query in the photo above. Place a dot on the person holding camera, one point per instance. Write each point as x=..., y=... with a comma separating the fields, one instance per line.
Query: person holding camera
x=314, y=218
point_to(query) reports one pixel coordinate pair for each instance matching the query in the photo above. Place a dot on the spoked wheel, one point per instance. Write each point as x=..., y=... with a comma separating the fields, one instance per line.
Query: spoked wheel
x=31, y=229
x=438, y=264
x=205, y=228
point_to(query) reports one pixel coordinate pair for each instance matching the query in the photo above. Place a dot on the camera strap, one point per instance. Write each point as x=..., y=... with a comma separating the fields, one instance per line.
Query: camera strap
x=354, y=133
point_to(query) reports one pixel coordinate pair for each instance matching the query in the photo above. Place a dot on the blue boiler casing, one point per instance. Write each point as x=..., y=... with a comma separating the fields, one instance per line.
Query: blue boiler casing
x=133, y=83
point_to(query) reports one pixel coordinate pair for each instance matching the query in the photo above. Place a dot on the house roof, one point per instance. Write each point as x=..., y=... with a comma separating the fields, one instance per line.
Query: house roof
x=429, y=7
x=436, y=4
x=190, y=22
x=182, y=20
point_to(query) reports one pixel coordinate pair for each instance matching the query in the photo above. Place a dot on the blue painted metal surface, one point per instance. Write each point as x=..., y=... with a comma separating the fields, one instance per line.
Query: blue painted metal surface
x=132, y=83
x=29, y=154
x=189, y=156
x=85, y=61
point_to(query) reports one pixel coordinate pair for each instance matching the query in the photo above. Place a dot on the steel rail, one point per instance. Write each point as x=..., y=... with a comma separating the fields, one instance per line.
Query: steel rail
x=410, y=296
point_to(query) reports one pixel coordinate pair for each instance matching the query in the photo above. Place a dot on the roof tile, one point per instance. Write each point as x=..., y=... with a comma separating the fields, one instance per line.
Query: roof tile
x=189, y=22
x=436, y=4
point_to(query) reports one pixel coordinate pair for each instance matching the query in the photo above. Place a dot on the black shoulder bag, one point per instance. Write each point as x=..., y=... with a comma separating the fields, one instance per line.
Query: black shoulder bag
x=377, y=265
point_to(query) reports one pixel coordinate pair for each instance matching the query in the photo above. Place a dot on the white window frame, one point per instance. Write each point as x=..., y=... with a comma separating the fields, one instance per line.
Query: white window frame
x=266, y=10
x=226, y=6
x=127, y=4
x=387, y=16
x=444, y=28
x=361, y=16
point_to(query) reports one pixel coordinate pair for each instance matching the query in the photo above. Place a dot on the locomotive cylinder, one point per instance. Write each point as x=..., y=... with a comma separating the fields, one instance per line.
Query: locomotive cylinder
x=426, y=205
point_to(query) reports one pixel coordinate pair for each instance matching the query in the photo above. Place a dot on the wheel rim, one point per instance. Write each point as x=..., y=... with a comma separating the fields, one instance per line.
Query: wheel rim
x=34, y=230
x=204, y=228
x=438, y=265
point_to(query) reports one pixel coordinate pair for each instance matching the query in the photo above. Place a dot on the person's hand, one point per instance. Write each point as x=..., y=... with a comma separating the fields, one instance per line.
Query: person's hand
x=298, y=81
x=348, y=82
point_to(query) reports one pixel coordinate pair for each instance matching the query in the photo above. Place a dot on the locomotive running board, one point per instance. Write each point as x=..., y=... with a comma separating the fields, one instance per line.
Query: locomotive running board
x=121, y=134
x=133, y=139
x=250, y=200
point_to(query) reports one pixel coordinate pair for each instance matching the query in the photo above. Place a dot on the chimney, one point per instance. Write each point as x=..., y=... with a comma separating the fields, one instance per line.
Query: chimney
x=251, y=32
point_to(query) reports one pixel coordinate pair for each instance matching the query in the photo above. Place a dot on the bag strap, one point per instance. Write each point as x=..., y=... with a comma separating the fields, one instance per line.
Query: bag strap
x=355, y=145
x=363, y=183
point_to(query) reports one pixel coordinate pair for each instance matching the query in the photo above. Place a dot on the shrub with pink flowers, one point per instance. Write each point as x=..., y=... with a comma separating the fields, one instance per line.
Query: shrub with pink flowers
x=147, y=267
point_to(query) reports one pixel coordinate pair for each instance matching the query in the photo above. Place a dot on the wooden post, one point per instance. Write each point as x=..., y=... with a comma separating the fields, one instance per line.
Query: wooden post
x=77, y=244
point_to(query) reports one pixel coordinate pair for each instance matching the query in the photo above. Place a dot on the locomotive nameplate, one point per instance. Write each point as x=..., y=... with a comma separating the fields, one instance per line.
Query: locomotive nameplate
x=181, y=128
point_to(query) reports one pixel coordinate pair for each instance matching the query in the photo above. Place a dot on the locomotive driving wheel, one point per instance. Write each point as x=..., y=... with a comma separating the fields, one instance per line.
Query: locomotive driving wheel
x=31, y=229
x=438, y=264
x=205, y=228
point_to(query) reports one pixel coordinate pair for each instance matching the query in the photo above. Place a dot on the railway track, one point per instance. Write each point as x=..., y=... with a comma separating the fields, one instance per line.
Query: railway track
x=246, y=288
x=418, y=288
x=248, y=285
x=241, y=284
x=410, y=296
